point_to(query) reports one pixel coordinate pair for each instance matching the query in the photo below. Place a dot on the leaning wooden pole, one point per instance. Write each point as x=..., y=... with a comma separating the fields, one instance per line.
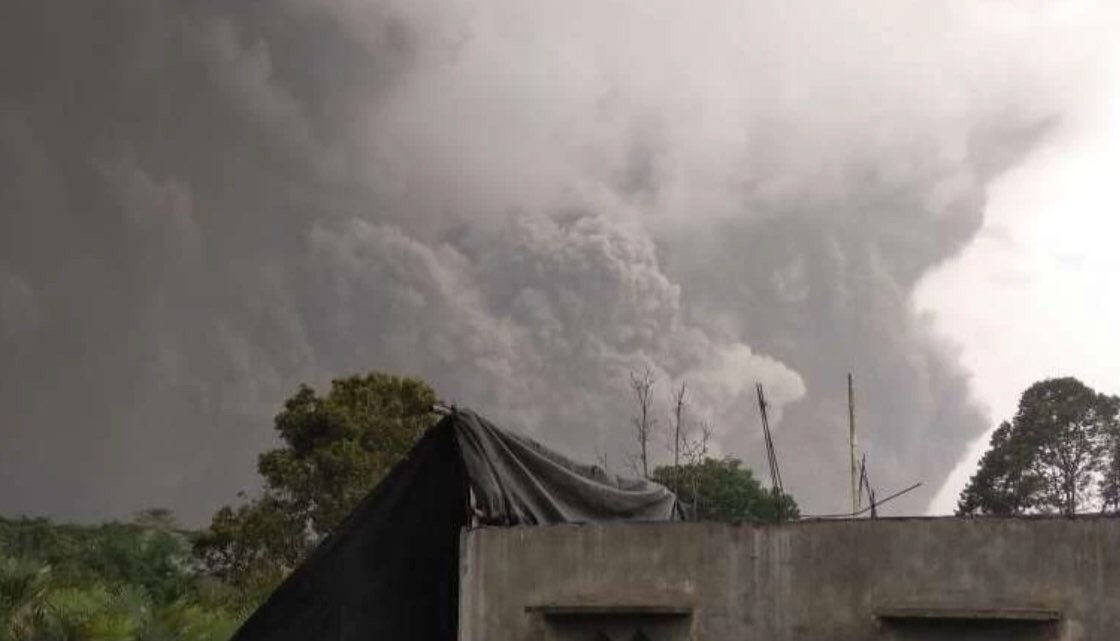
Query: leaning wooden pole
x=771, y=455
x=852, y=445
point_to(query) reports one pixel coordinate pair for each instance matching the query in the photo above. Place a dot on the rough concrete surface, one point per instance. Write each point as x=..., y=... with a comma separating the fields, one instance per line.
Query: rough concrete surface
x=919, y=579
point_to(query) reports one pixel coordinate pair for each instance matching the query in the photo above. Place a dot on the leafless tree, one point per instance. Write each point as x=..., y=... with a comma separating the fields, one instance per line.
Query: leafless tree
x=688, y=445
x=678, y=423
x=687, y=442
x=694, y=449
x=644, y=422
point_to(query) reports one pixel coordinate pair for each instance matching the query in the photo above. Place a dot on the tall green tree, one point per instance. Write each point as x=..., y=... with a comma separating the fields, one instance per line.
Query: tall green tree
x=724, y=490
x=335, y=449
x=1053, y=456
x=1110, y=480
x=253, y=545
x=1003, y=483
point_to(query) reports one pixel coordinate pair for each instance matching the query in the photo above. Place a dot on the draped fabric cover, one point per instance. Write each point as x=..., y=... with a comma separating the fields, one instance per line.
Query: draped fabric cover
x=391, y=569
x=517, y=481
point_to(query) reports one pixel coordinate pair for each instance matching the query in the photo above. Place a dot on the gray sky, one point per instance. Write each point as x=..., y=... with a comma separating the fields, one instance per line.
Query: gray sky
x=203, y=205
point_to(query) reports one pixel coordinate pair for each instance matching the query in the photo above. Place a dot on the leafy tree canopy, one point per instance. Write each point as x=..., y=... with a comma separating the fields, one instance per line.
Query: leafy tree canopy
x=335, y=448
x=724, y=490
x=1058, y=455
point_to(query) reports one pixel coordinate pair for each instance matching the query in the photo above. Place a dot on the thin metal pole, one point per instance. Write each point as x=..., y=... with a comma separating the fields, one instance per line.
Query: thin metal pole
x=771, y=455
x=852, y=443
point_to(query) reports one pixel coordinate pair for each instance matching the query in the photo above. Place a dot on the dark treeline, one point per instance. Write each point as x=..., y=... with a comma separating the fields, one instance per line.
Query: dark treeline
x=150, y=580
x=111, y=582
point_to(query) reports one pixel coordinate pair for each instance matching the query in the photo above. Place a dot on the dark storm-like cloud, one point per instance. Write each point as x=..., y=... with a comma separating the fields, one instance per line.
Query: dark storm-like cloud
x=204, y=205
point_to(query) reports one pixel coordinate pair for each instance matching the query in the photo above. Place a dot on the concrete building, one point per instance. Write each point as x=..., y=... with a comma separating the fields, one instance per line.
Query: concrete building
x=857, y=580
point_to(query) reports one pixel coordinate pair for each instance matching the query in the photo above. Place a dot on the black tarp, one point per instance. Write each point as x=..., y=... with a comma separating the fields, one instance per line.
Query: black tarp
x=391, y=569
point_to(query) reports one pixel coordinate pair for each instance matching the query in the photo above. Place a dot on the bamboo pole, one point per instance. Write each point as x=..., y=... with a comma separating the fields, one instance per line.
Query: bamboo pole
x=852, y=444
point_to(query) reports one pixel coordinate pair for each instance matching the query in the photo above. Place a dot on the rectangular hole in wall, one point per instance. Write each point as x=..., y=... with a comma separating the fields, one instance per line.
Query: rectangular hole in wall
x=617, y=628
x=615, y=623
x=924, y=623
x=972, y=630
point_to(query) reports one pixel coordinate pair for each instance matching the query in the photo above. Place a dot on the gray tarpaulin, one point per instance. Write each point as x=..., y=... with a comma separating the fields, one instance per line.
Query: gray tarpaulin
x=516, y=481
x=390, y=571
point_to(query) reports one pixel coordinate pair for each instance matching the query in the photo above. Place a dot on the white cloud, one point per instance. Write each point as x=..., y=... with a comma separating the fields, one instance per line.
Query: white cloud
x=1030, y=298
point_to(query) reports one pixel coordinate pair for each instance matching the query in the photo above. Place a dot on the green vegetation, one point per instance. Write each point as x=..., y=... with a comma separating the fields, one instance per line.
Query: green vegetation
x=336, y=448
x=723, y=490
x=116, y=581
x=150, y=580
x=1060, y=454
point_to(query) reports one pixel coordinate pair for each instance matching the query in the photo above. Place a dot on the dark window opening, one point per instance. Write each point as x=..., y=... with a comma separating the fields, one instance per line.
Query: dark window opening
x=613, y=624
x=957, y=630
x=944, y=624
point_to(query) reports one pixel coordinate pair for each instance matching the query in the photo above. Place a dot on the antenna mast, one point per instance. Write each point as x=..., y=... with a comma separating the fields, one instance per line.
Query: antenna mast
x=771, y=455
x=852, y=443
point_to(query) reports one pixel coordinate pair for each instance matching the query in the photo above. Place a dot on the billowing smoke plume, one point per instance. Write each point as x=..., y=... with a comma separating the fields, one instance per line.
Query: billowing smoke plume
x=204, y=204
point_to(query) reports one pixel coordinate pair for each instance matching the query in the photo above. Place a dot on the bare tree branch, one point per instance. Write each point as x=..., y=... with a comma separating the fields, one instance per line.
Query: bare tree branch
x=678, y=421
x=644, y=422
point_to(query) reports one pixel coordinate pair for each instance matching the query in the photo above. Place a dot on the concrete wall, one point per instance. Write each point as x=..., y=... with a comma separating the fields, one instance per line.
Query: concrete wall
x=829, y=580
